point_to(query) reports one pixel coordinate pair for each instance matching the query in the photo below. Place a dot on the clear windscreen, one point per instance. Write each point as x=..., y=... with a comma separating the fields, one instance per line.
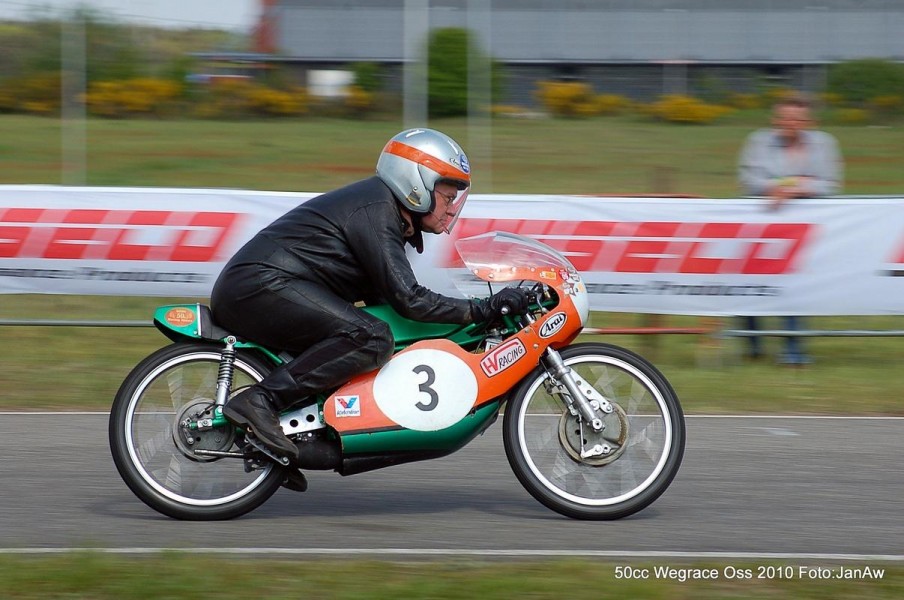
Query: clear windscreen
x=501, y=256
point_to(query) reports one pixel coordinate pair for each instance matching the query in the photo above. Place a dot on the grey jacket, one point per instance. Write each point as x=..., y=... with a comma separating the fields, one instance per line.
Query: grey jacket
x=763, y=163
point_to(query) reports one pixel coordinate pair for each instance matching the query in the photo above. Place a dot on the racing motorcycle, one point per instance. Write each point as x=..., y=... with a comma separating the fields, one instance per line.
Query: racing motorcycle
x=591, y=430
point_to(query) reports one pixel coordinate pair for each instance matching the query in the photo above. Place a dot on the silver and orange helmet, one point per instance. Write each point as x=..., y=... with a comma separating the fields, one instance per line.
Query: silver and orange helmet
x=415, y=160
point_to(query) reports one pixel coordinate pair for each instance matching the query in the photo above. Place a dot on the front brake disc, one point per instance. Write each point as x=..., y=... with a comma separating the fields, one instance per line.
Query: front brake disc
x=576, y=439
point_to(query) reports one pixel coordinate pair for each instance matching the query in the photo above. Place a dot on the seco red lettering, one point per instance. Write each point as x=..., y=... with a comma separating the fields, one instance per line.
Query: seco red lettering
x=660, y=246
x=73, y=234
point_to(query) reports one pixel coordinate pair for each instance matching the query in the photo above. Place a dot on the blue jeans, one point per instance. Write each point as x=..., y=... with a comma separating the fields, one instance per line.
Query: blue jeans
x=794, y=353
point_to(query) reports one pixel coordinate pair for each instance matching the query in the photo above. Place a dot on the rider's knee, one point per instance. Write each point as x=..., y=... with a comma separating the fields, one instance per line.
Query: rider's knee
x=379, y=343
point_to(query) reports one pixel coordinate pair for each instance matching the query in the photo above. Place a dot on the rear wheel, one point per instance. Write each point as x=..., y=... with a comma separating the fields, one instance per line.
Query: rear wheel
x=156, y=456
x=582, y=474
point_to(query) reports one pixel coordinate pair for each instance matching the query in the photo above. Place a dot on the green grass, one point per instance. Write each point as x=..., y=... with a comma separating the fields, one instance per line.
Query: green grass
x=595, y=156
x=175, y=576
x=80, y=368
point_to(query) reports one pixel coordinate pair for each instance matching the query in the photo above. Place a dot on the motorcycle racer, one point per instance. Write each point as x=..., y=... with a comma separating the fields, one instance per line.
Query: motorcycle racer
x=295, y=284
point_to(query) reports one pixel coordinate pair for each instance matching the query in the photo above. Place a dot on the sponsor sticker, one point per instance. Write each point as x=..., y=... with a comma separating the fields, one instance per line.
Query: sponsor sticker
x=553, y=325
x=573, y=282
x=348, y=406
x=179, y=317
x=503, y=357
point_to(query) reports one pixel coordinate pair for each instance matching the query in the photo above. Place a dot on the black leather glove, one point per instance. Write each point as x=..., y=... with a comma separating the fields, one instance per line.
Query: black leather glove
x=510, y=300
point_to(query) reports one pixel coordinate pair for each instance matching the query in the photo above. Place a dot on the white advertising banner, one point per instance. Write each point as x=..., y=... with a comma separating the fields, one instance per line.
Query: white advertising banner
x=126, y=241
x=840, y=256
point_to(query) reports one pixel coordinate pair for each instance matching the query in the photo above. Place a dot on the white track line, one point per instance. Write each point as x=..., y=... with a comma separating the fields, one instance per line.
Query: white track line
x=611, y=554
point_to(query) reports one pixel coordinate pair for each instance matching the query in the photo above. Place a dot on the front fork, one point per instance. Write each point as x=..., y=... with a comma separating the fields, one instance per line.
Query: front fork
x=583, y=400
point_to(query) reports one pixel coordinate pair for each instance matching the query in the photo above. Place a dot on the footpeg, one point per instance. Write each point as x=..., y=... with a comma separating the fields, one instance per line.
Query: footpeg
x=252, y=439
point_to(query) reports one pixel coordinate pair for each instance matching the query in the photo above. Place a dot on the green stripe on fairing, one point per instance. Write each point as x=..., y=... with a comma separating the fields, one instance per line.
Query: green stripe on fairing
x=404, y=331
x=400, y=440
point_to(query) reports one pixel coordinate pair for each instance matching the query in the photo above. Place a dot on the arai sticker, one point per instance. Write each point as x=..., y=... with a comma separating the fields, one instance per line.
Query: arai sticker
x=425, y=390
x=179, y=317
x=552, y=326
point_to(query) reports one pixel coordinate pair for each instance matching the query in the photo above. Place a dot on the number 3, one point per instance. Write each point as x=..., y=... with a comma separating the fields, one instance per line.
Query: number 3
x=425, y=388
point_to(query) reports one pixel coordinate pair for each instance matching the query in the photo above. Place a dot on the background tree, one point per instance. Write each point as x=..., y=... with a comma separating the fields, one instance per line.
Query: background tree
x=447, y=71
x=858, y=82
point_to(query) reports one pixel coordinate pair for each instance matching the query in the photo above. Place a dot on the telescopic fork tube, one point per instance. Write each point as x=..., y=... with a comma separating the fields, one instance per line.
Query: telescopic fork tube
x=561, y=372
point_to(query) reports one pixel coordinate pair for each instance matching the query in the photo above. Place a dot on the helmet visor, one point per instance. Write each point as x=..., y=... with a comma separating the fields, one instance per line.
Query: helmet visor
x=454, y=207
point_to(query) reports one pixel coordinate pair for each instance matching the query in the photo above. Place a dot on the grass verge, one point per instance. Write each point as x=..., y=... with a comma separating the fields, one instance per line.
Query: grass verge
x=606, y=155
x=176, y=576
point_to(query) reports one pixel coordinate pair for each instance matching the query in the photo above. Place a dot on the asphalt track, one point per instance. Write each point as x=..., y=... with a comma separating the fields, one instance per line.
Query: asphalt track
x=768, y=487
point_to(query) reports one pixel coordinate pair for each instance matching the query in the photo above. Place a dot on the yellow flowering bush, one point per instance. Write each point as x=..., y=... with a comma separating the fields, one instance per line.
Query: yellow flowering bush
x=243, y=97
x=887, y=104
x=7, y=100
x=566, y=98
x=140, y=96
x=575, y=99
x=744, y=101
x=37, y=94
x=276, y=103
x=773, y=95
x=676, y=108
x=831, y=99
x=611, y=104
x=224, y=98
x=853, y=116
x=359, y=101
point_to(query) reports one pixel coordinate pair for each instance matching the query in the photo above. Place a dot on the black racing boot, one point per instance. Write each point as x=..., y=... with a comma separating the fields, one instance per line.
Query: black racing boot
x=252, y=409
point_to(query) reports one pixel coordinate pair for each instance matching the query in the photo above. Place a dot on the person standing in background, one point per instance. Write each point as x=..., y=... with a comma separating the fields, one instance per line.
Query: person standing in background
x=789, y=160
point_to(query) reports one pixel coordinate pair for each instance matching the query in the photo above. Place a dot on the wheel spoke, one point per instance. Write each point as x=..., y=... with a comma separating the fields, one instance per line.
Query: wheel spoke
x=564, y=463
x=163, y=454
x=160, y=441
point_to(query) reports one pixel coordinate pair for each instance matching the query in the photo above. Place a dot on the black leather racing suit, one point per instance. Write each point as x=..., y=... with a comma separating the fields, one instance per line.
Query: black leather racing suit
x=293, y=287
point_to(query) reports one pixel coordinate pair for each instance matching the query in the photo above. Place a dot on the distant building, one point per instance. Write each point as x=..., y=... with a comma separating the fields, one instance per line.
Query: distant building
x=640, y=48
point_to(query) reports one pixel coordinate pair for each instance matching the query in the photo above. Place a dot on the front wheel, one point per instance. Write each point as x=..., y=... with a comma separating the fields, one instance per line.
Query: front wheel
x=576, y=472
x=156, y=456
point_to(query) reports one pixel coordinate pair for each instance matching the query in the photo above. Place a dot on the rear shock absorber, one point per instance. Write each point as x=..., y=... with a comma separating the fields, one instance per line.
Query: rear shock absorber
x=224, y=375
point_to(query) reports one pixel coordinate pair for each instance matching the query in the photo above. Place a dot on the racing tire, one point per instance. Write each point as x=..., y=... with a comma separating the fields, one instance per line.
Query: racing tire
x=153, y=455
x=637, y=454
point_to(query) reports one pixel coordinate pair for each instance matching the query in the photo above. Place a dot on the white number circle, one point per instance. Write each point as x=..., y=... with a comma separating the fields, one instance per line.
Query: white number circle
x=425, y=390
